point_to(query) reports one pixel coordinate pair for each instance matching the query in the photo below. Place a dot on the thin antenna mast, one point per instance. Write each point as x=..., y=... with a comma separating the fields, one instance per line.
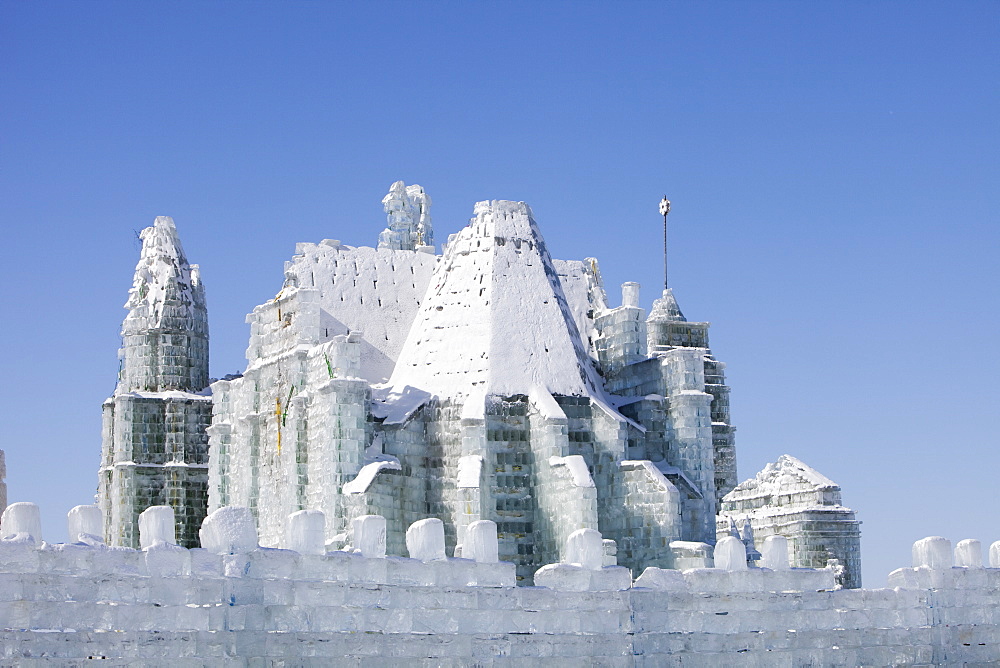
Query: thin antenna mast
x=665, y=209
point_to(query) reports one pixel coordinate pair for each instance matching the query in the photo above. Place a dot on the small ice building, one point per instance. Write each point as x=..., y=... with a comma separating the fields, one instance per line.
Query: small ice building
x=154, y=446
x=492, y=382
x=790, y=498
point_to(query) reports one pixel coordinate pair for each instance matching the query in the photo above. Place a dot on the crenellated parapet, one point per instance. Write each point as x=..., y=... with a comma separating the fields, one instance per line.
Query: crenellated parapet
x=232, y=600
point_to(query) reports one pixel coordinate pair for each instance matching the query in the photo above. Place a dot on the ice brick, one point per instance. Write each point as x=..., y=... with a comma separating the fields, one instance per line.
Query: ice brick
x=156, y=525
x=304, y=532
x=425, y=539
x=229, y=530
x=21, y=520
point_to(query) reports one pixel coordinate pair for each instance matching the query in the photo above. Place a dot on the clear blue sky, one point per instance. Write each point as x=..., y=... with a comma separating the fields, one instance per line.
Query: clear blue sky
x=833, y=169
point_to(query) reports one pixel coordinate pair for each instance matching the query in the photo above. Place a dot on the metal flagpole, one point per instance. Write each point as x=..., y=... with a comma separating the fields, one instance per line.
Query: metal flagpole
x=665, y=209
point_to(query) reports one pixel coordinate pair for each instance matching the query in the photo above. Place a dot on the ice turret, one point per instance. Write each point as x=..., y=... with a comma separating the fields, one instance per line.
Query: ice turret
x=165, y=334
x=790, y=498
x=666, y=309
x=154, y=447
x=408, y=213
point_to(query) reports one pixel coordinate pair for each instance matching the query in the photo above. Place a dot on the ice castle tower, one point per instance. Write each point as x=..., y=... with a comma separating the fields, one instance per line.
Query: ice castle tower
x=154, y=446
x=491, y=382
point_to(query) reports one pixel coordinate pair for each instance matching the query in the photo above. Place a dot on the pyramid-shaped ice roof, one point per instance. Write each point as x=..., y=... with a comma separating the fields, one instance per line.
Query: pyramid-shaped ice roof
x=494, y=319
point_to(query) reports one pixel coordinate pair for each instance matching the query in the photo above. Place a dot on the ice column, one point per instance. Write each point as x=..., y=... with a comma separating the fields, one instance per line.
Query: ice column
x=481, y=542
x=85, y=524
x=932, y=552
x=229, y=530
x=630, y=294
x=731, y=554
x=969, y=553
x=369, y=535
x=585, y=547
x=995, y=555
x=425, y=540
x=774, y=553
x=305, y=532
x=156, y=525
x=21, y=520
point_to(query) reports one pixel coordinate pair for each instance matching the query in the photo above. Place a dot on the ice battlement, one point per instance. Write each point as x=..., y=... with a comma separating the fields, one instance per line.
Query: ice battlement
x=233, y=601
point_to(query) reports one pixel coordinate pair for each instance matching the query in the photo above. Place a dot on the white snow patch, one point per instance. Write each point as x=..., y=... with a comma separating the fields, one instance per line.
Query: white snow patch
x=469, y=469
x=367, y=475
x=578, y=470
x=396, y=405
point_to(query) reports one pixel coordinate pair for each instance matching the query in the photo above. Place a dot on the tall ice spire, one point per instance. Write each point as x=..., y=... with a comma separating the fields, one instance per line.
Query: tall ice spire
x=154, y=446
x=165, y=334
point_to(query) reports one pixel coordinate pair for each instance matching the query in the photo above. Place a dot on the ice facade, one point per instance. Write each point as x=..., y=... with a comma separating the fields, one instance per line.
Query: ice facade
x=232, y=602
x=415, y=435
x=791, y=499
x=489, y=383
x=154, y=444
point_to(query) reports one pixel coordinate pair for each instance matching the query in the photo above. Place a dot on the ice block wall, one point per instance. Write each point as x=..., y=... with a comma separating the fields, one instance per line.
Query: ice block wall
x=231, y=601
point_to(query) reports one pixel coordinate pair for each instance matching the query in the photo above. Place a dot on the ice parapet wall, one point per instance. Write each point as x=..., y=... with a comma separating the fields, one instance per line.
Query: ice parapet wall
x=73, y=601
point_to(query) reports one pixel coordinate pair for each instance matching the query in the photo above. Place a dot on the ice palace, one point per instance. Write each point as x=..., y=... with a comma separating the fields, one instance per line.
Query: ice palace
x=466, y=458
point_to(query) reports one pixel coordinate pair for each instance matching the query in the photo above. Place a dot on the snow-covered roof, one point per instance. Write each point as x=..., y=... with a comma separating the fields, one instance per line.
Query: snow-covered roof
x=163, y=277
x=666, y=308
x=787, y=474
x=495, y=317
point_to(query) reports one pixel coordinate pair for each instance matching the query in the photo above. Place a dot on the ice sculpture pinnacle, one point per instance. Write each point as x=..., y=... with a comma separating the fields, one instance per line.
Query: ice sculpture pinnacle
x=408, y=214
x=154, y=447
x=666, y=308
x=165, y=334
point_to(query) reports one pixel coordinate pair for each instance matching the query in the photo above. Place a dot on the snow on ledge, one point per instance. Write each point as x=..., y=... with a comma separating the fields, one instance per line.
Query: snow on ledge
x=474, y=407
x=651, y=469
x=469, y=470
x=170, y=394
x=367, y=475
x=545, y=403
x=577, y=469
x=396, y=405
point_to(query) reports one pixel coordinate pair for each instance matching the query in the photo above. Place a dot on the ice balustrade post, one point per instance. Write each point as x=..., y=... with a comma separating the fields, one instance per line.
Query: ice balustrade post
x=21, y=520
x=425, y=540
x=630, y=294
x=731, y=554
x=774, y=553
x=585, y=547
x=156, y=525
x=229, y=530
x=969, y=553
x=369, y=536
x=85, y=525
x=481, y=542
x=305, y=532
x=995, y=555
x=932, y=552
